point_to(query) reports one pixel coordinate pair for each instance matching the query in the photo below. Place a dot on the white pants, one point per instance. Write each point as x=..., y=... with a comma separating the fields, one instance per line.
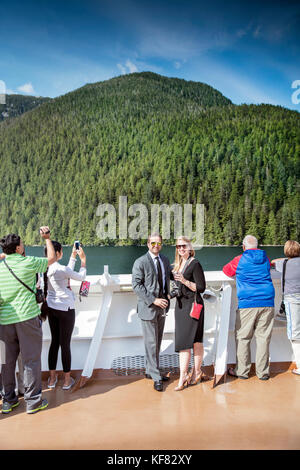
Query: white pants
x=296, y=351
x=292, y=308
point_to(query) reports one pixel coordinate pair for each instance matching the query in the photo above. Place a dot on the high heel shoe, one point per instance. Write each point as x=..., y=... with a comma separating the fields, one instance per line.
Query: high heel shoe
x=200, y=378
x=183, y=386
x=190, y=375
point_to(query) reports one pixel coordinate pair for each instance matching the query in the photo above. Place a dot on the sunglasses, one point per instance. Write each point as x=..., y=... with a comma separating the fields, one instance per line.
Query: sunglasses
x=181, y=246
x=155, y=243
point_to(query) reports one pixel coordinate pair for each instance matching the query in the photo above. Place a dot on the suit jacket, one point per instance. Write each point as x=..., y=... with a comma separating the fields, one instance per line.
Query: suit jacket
x=145, y=285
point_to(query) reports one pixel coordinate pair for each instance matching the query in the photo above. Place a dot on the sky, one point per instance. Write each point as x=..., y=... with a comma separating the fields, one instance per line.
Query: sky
x=249, y=51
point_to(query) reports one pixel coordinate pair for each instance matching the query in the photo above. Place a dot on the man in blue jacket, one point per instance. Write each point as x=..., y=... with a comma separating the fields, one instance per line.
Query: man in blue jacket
x=255, y=314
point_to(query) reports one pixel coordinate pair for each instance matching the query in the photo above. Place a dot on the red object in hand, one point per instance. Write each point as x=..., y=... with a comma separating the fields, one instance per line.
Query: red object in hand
x=196, y=311
x=84, y=288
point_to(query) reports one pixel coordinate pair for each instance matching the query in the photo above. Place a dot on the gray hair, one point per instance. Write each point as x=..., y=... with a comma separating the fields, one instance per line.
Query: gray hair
x=250, y=242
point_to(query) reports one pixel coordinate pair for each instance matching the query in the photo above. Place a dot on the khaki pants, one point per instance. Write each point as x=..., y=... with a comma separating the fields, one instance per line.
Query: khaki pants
x=251, y=322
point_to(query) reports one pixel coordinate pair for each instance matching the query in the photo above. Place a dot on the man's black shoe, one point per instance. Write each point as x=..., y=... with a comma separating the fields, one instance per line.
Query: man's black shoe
x=231, y=372
x=158, y=386
x=164, y=378
x=265, y=377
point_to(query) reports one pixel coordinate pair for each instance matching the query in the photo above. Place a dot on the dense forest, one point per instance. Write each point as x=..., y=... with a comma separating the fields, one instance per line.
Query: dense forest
x=15, y=105
x=155, y=140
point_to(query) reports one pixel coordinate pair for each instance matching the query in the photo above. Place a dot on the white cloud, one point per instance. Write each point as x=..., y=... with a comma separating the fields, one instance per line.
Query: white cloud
x=27, y=88
x=129, y=67
x=272, y=32
x=9, y=91
x=122, y=69
x=132, y=68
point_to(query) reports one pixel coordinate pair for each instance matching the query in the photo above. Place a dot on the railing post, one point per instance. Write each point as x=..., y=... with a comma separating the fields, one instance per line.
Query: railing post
x=107, y=285
x=222, y=342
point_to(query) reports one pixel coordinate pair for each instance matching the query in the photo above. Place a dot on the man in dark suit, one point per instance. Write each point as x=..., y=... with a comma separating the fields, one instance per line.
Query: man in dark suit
x=150, y=281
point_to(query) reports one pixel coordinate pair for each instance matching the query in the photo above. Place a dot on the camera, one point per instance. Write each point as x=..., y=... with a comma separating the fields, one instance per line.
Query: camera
x=174, y=289
x=77, y=245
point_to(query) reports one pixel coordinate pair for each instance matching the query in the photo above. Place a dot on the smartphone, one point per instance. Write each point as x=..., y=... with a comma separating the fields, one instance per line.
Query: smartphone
x=77, y=245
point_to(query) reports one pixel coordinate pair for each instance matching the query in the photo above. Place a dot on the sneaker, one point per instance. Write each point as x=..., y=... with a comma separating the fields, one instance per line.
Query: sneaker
x=296, y=371
x=265, y=377
x=54, y=384
x=67, y=387
x=42, y=406
x=8, y=407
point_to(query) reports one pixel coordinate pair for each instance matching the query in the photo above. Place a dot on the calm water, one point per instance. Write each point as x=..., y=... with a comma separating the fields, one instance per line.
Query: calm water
x=120, y=259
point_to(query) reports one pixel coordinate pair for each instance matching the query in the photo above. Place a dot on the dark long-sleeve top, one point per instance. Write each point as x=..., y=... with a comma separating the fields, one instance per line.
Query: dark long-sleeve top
x=193, y=273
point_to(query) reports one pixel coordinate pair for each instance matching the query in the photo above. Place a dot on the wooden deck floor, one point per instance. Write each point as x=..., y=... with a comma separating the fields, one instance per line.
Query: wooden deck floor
x=113, y=412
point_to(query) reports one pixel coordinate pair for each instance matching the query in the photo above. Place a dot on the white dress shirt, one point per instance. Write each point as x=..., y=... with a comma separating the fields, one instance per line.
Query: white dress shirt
x=162, y=267
x=59, y=296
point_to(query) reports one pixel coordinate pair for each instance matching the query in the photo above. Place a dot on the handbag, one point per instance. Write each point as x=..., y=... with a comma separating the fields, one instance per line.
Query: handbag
x=44, y=307
x=196, y=310
x=282, y=311
x=44, y=311
x=84, y=289
x=39, y=294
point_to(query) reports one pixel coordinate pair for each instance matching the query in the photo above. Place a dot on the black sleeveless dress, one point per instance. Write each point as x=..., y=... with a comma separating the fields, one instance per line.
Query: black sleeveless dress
x=188, y=330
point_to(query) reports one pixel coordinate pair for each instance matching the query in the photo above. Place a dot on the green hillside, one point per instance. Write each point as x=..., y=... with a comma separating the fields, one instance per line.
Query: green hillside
x=15, y=105
x=155, y=140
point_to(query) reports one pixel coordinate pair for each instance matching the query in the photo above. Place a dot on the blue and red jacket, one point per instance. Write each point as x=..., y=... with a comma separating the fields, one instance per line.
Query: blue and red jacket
x=253, y=279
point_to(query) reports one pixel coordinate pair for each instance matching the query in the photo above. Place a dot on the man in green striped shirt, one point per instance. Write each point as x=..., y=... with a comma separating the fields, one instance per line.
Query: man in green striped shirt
x=20, y=326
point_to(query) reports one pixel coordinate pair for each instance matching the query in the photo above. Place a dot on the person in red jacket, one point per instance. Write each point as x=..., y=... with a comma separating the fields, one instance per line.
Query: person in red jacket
x=255, y=314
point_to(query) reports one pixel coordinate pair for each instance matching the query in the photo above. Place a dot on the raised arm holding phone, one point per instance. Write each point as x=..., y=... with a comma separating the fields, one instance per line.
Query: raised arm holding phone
x=61, y=310
x=20, y=326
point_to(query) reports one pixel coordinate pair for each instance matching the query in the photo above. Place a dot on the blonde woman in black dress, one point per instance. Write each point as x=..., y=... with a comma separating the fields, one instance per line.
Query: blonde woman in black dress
x=189, y=277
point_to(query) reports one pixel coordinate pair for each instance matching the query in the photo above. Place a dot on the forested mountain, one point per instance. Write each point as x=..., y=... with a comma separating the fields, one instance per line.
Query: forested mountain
x=15, y=105
x=155, y=140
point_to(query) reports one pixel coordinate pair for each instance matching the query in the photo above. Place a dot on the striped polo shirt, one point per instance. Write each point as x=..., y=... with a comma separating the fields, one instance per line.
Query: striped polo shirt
x=17, y=303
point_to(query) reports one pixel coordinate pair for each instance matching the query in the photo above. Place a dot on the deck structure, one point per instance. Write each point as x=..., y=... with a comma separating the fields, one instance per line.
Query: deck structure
x=118, y=408
x=118, y=412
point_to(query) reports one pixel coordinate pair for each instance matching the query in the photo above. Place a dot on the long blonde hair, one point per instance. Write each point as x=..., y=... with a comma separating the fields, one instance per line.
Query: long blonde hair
x=178, y=257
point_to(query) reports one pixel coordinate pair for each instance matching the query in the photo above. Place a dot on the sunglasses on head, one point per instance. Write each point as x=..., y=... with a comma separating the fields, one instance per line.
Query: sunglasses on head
x=155, y=243
x=181, y=246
